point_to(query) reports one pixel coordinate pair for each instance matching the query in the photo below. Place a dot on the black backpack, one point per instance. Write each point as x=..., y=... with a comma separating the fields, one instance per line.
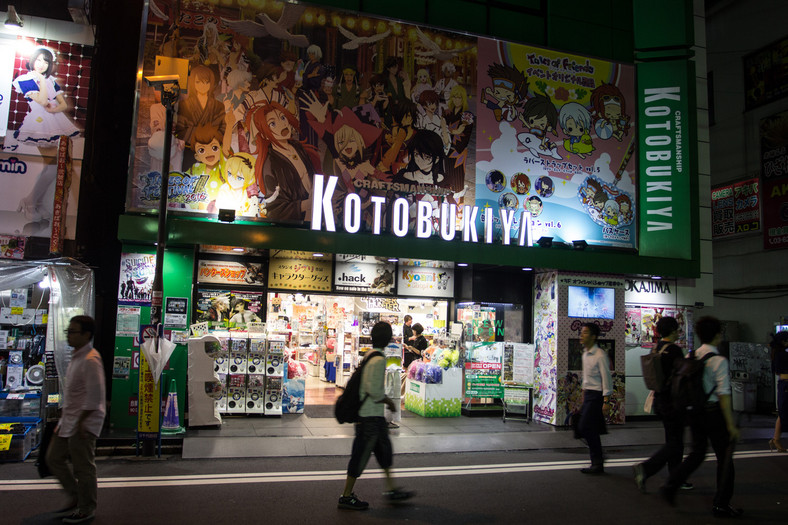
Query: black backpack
x=685, y=384
x=348, y=404
x=653, y=374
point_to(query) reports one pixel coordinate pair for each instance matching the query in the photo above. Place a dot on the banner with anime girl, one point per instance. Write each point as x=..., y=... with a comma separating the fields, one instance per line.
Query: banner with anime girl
x=278, y=92
x=555, y=137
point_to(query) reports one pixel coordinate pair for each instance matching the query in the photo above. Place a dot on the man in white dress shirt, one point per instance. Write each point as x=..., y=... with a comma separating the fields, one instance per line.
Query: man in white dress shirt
x=597, y=388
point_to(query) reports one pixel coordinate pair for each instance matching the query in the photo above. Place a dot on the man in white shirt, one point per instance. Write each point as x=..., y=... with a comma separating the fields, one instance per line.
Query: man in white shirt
x=597, y=388
x=372, y=433
x=714, y=424
x=80, y=424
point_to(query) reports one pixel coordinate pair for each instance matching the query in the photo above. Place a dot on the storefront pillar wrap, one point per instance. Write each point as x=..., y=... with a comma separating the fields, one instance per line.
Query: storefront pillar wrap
x=545, y=341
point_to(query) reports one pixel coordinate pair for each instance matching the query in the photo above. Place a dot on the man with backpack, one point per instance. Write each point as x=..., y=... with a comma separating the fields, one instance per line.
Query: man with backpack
x=712, y=421
x=372, y=433
x=666, y=353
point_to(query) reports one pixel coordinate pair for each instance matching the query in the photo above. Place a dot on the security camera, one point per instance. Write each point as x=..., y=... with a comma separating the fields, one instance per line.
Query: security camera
x=159, y=81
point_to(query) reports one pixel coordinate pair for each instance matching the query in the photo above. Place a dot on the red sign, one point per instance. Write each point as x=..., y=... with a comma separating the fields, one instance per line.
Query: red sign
x=775, y=214
x=736, y=208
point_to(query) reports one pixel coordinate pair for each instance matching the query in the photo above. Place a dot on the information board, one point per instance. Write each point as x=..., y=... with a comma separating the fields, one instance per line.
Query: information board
x=518, y=364
x=483, y=370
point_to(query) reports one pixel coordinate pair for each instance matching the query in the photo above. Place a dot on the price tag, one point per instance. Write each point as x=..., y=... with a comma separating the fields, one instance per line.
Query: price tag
x=17, y=310
x=53, y=399
x=15, y=396
x=5, y=441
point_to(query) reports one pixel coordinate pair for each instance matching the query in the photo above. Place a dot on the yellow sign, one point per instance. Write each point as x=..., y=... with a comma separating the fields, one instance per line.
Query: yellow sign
x=5, y=441
x=149, y=403
x=295, y=274
x=5, y=426
x=17, y=310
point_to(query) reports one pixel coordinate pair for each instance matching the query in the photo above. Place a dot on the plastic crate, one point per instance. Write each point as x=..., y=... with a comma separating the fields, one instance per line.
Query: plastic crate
x=34, y=423
x=26, y=404
x=19, y=447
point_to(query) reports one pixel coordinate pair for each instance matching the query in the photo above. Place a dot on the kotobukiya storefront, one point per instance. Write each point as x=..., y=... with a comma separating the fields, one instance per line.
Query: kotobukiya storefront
x=355, y=168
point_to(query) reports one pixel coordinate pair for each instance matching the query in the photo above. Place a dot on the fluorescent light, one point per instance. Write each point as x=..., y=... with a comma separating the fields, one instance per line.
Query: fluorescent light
x=392, y=259
x=526, y=269
x=317, y=255
x=462, y=265
x=238, y=249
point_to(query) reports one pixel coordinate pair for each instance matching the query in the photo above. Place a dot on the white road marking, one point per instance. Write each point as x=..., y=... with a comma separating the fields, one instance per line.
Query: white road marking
x=16, y=485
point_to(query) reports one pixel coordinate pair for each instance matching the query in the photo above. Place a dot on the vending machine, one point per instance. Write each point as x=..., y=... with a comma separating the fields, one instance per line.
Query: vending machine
x=221, y=361
x=255, y=394
x=255, y=362
x=275, y=358
x=236, y=394
x=238, y=355
x=273, y=395
x=221, y=399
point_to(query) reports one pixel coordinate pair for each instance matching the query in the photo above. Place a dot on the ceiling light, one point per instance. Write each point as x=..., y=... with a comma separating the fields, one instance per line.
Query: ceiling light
x=392, y=259
x=462, y=265
x=317, y=255
x=527, y=269
x=13, y=21
x=656, y=277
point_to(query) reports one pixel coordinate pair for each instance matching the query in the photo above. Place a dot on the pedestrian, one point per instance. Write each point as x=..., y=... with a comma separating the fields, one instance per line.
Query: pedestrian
x=779, y=347
x=597, y=388
x=412, y=352
x=372, y=433
x=407, y=331
x=80, y=424
x=671, y=452
x=712, y=423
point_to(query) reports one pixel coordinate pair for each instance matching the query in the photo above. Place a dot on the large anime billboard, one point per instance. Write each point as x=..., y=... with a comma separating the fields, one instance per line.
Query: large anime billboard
x=397, y=114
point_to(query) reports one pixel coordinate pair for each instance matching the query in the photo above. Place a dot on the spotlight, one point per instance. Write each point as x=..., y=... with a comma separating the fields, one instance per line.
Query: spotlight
x=545, y=242
x=579, y=245
x=392, y=259
x=13, y=21
x=317, y=255
x=526, y=269
x=462, y=265
x=227, y=215
x=656, y=277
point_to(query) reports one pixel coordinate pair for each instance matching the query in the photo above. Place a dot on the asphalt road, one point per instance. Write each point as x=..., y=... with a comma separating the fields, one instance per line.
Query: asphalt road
x=496, y=487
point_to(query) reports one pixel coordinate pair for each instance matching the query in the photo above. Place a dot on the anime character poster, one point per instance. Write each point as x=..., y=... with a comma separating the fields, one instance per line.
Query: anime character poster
x=136, y=278
x=278, y=92
x=555, y=137
x=633, y=326
x=49, y=97
x=545, y=344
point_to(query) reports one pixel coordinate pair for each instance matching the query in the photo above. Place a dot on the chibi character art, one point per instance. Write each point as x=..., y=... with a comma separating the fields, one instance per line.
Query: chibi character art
x=534, y=206
x=610, y=213
x=587, y=191
x=610, y=112
x=496, y=181
x=508, y=200
x=624, y=209
x=544, y=186
x=521, y=184
x=540, y=117
x=575, y=120
x=508, y=91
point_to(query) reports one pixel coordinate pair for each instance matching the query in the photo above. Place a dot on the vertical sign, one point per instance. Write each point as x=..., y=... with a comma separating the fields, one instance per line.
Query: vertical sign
x=62, y=185
x=149, y=403
x=668, y=185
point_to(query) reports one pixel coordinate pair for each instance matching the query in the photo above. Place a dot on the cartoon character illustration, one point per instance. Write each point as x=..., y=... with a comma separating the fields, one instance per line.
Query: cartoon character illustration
x=610, y=212
x=427, y=159
x=282, y=161
x=347, y=92
x=430, y=119
x=624, y=209
x=521, y=184
x=460, y=123
x=200, y=107
x=397, y=80
x=209, y=161
x=401, y=133
x=241, y=314
x=610, y=112
x=446, y=84
x=240, y=191
x=496, y=181
x=540, y=117
x=587, y=191
x=534, y=206
x=443, y=280
x=509, y=89
x=422, y=84
x=384, y=281
x=544, y=186
x=575, y=120
x=508, y=200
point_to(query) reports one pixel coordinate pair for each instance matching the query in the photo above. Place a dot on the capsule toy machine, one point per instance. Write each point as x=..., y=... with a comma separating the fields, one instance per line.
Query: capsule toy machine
x=221, y=361
x=255, y=361
x=275, y=357
x=238, y=355
x=273, y=395
x=221, y=397
x=255, y=394
x=236, y=394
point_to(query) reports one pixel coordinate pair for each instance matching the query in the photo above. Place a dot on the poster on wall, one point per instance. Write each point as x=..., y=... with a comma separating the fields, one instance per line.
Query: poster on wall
x=49, y=96
x=229, y=309
x=483, y=370
x=361, y=277
x=356, y=97
x=765, y=77
x=775, y=214
x=518, y=364
x=231, y=272
x=136, y=278
x=633, y=326
x=425, y=282
x=555, y=137
x=298, y=274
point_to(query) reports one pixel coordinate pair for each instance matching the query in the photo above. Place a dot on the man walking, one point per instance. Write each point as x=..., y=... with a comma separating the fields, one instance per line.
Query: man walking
x=714, y=423
x=372, y=433
x=80, y=424
x=673, y=422
x=597, y=388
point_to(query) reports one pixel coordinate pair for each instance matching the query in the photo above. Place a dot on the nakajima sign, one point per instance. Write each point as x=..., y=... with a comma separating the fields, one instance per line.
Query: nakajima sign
x=668, y=177
x=425, y=215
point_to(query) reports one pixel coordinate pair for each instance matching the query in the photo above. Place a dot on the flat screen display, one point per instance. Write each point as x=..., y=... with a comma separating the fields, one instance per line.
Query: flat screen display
x=591, y=303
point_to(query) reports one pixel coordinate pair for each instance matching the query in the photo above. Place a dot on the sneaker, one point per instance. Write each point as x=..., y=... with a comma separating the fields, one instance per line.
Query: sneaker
x=593, y=469
x=352, y=503
x=640, y=477
x=687, y=486
x=79, y=517
x=68, y=510
x=726, y=512
x=393, y=425
x=398, y=494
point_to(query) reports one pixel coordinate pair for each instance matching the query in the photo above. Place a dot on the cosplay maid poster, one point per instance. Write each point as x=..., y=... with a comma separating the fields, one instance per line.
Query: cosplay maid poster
x=555, y=137
x=278, y=92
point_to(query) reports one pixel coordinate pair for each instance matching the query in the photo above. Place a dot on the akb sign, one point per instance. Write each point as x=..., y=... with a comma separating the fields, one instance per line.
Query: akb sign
x=323, y=212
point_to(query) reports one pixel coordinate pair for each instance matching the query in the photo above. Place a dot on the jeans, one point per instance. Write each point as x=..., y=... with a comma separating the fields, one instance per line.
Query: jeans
x=78, y=480
x=372, y=435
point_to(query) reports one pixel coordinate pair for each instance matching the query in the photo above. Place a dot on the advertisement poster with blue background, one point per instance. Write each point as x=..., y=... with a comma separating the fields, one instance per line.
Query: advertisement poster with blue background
x=556, y=138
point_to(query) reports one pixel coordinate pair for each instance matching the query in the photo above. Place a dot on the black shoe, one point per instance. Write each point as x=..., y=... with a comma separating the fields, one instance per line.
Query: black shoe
x=640, y=477
x=726, y=512
x=398, y=494
x=352, y=503
x=68, y=510
x=79, y=517
x=593, y=469
x=668, y=495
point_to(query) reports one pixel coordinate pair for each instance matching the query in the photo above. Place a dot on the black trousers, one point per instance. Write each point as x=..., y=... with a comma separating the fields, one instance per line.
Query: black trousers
x=708, y=427
x=372, y=435
x=592, y=424
x=671, y=452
